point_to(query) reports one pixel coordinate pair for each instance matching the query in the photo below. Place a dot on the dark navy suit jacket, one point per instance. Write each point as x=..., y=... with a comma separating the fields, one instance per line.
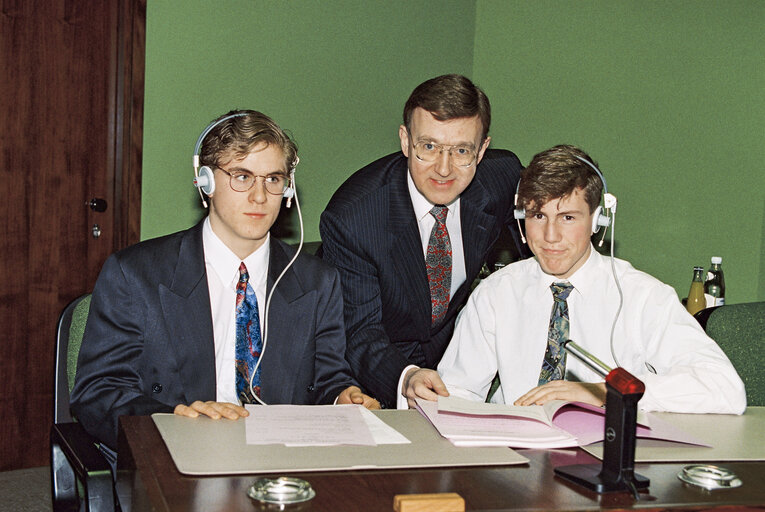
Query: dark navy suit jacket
x=148, y=343
x=370, y=233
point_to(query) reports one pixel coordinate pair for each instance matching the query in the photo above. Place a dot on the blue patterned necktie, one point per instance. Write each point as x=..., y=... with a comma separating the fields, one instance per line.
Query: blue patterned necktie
x=248, y=341
x=438, y=262
x=554, y=363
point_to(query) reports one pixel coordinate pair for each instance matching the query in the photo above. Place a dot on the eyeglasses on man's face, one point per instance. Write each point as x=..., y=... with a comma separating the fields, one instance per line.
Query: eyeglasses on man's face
x=242, y=181
x=461, y=155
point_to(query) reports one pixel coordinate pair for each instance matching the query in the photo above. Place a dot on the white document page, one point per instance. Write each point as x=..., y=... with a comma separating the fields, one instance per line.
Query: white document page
x=381, y=431
x=307, y=425
x=463, y=430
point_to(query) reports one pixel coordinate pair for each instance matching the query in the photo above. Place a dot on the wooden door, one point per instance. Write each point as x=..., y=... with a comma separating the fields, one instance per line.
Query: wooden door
x=71, y=115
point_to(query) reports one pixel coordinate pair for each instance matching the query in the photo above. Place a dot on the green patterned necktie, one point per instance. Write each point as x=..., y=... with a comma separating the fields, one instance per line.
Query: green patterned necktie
x=554, y=363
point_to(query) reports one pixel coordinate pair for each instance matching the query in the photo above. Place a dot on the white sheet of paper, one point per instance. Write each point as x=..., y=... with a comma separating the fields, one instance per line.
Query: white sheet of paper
x=307, y=425
x=464, y=430
x=381, y=431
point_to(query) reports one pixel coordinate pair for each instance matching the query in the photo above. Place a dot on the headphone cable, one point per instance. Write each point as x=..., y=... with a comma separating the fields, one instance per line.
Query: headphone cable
x=271, y=294
x=618, y=287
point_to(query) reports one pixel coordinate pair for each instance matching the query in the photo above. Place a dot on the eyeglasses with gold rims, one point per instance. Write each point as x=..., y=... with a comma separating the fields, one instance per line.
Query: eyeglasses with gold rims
x=461, y=155
x=242, y=181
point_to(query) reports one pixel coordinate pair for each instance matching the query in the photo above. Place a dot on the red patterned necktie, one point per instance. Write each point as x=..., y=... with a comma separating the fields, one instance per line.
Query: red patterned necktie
x=439, y=265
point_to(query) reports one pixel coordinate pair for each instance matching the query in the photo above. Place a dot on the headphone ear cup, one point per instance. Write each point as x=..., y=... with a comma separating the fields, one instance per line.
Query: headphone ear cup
x=519, y=214
x=205, y=181
x=596, y=222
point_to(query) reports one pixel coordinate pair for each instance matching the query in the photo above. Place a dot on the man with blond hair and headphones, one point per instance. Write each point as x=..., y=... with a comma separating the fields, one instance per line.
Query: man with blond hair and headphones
x=517, y=319
x=182, y=323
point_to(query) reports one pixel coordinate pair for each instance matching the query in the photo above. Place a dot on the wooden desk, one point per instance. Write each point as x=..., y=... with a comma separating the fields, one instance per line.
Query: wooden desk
x=148, y=475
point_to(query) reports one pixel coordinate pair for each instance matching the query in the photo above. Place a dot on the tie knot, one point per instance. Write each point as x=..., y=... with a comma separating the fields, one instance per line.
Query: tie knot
x=561, y=290
x=439, y=212
x=244, y=276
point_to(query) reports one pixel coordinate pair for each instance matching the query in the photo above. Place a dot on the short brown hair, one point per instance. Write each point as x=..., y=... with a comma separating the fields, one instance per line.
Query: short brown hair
x=237, y=136
x=555, y=174
x=449, y=97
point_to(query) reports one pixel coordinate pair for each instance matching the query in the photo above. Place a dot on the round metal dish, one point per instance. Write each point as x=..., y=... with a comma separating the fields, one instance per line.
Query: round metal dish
x=281, y=491
x=709, y=477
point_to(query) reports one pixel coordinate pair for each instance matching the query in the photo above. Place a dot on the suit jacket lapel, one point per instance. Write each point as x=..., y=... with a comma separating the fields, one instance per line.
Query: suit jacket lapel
x=476, y=226
x=287, y=336
x=407, y=255
x=187, y=314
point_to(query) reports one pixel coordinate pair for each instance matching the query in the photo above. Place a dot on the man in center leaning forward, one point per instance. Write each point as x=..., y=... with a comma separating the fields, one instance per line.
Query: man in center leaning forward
x=410, y=232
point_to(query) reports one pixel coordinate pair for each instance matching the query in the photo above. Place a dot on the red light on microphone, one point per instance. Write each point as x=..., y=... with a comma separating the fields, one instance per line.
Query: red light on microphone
x=624, y=382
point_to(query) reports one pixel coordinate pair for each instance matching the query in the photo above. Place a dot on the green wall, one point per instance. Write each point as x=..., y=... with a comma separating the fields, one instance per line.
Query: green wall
x=667, y=96
x=334, y=73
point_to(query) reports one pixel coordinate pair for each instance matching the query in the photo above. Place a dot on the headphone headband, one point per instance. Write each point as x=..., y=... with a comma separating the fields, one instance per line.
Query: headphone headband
x=207, y=130
x=203, y=178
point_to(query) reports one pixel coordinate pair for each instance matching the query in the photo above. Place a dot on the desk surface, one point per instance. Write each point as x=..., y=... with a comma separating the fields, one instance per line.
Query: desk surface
x=147, y=474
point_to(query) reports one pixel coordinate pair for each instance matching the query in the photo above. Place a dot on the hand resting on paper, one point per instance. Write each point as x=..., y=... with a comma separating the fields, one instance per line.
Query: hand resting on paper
x=590, y=393
x=423, y=383
x=353, y=395
x=214, y=410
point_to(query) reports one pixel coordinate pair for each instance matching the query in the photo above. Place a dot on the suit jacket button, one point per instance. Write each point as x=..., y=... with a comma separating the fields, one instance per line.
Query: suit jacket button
x=156, y=387
x=310, y=388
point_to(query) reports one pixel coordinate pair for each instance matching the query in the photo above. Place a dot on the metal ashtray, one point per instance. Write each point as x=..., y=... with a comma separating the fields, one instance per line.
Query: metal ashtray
x=284, y=490
x=709, y=477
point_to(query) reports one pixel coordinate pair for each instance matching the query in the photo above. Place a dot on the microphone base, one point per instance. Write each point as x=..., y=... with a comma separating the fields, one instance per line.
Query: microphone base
x=591, y=477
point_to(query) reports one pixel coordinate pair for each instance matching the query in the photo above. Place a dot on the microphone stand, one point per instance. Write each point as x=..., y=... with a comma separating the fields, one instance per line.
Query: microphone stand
x=623, y=390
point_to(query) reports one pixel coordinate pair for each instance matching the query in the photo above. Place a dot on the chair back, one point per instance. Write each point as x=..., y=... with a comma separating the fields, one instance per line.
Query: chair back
x=739, y=329
x=71, y=327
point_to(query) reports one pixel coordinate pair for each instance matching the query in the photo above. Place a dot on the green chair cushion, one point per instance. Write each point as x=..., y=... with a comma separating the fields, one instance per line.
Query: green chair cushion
x=76, y=331
x=739, y=329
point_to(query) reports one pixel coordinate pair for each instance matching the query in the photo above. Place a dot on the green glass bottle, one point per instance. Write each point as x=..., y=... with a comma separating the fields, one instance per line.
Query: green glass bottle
x=714, y=286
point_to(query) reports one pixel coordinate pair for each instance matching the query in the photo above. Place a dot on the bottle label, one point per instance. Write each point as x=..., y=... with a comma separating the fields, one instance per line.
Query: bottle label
x=719, y=301
x=713, y=289
x=711, y=300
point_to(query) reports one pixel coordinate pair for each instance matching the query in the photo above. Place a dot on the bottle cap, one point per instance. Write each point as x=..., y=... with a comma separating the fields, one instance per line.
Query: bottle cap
x=716, y=260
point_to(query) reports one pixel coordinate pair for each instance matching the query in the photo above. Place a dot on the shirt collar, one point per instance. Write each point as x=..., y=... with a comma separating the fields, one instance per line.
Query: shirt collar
x=583, y=279
x=226, y=264
x=421, y=204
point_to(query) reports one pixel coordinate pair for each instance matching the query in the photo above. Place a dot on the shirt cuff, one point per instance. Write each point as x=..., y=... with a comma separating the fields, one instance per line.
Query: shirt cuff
x=401, y=402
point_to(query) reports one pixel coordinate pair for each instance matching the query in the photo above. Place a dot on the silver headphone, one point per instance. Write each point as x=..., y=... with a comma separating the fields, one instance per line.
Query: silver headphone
x=203, y=177
x=598, y=218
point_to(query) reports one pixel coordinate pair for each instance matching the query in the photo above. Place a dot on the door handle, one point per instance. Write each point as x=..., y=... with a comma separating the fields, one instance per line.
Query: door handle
x=97, y=204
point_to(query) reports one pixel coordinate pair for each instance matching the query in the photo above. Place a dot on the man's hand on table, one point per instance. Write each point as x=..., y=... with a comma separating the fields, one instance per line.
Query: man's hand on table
x=589, y=393
x=423, y=383
x=214, y=410
x=353, y=395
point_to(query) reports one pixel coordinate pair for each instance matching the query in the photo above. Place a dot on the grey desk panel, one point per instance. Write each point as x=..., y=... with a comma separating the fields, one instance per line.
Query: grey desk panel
x=731, y=438
x=201, y=446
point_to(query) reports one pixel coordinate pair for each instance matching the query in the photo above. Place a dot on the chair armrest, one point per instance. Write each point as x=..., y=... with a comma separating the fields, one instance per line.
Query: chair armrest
x=703, y=316
x=74, y=456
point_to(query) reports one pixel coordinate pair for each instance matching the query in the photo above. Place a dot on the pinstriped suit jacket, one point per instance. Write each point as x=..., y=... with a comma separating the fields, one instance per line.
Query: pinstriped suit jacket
x=369, y=232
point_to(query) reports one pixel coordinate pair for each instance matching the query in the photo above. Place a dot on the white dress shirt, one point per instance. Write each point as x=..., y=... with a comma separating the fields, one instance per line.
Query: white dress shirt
x=222, y=276
x=504, y=324
x=425, y=222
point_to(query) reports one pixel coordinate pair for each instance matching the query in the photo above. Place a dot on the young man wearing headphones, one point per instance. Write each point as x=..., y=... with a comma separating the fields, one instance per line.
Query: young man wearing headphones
x=181, y=323
x=516, y=319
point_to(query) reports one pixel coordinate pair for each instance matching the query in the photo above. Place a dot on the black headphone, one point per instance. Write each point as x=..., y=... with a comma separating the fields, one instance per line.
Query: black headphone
x=203, y=177
x=598, y=218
